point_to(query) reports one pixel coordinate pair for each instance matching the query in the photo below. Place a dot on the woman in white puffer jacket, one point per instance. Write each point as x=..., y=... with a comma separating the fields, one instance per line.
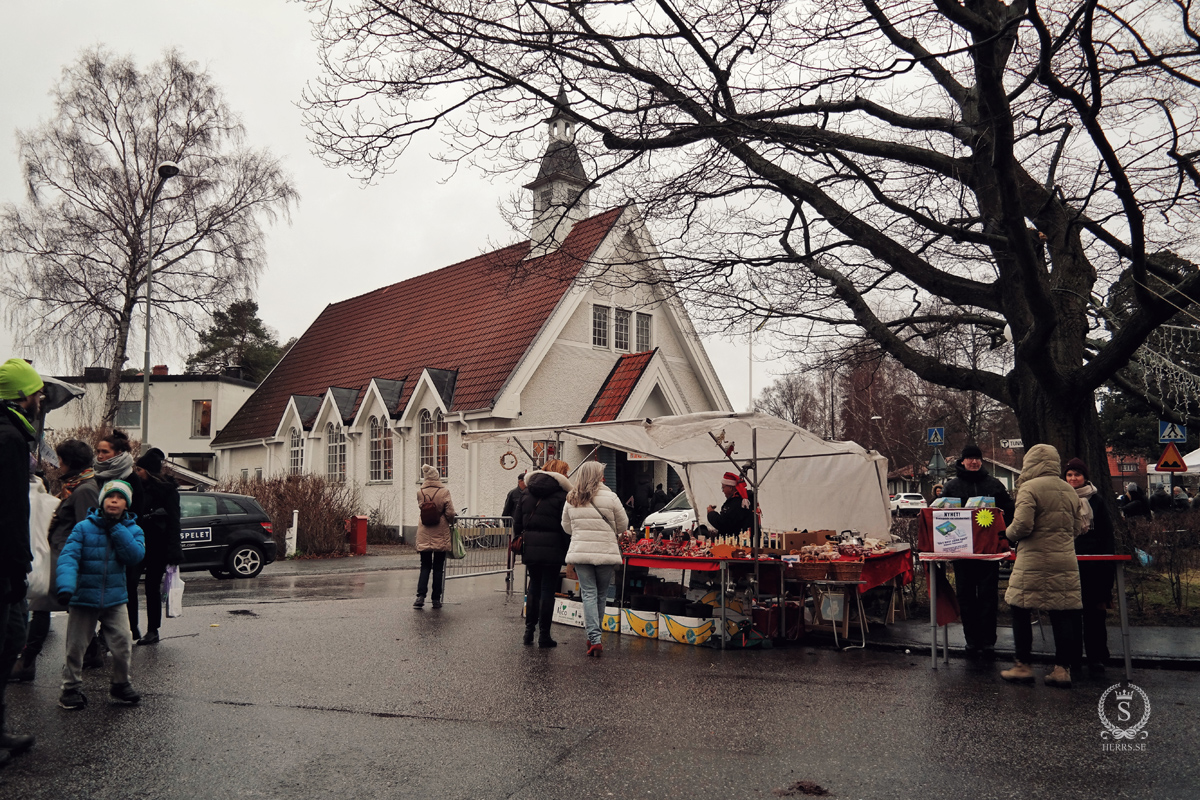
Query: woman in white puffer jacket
x=592, y=517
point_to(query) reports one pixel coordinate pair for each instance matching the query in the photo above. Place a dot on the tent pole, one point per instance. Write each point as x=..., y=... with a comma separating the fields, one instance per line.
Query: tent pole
x=754, y=531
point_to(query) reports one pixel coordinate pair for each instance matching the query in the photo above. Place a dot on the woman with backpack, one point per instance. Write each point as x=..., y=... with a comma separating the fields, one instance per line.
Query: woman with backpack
x=433, y=534
x=592, y=517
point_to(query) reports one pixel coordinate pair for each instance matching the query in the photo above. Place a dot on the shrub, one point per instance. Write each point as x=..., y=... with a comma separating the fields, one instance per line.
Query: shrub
x=1171, y=541
x=324, y=507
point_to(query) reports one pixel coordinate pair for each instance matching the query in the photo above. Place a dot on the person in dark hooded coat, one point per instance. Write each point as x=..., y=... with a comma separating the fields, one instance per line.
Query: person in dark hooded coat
x=544, y=545
x=160, y=524
x=977, y=583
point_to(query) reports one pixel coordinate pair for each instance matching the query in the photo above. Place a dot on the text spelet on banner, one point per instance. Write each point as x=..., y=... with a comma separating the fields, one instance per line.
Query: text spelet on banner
x=952, y=531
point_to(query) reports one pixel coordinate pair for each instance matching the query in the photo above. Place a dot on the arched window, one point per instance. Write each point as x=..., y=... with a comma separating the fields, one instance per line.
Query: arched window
x=435, y=442
x=296, y=453
x=335, y=453
x=381, y=451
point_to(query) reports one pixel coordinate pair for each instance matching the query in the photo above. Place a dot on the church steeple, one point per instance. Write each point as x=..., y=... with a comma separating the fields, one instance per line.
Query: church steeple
x=560, y=191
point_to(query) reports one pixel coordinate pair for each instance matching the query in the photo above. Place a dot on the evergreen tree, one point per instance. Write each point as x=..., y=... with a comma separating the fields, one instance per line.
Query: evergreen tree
x=237, y=338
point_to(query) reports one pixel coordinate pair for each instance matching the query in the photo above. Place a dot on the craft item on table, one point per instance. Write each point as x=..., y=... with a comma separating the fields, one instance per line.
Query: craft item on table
x=981, y=501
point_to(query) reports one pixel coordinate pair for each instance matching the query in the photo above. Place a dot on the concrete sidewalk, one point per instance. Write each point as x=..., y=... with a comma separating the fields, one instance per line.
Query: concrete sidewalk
x=1163, y=647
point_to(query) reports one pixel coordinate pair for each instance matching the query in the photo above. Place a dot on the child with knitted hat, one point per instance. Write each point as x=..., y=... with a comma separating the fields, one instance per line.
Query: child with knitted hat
x=91, y=580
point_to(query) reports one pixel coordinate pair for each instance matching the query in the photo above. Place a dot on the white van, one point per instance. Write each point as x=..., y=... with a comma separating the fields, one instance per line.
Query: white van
x=675, y=515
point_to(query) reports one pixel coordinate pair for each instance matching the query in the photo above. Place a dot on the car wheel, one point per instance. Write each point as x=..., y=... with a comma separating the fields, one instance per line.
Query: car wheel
x=220, y=574
x=246, y=561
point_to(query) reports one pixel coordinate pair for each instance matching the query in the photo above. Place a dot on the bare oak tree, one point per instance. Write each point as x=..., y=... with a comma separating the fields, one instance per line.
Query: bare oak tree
x=899, y=170
x=77, y=254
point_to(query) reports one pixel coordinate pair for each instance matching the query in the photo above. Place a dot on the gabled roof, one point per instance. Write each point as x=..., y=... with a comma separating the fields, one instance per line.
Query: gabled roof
x=307, y=407
x=617, y=387
x=472, y=320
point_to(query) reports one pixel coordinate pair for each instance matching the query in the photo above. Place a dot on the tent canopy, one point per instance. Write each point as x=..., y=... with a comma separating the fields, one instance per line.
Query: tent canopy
x=802, y=481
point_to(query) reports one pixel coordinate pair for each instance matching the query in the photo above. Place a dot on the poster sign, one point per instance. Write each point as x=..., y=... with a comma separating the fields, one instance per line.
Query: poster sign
x=952, y=531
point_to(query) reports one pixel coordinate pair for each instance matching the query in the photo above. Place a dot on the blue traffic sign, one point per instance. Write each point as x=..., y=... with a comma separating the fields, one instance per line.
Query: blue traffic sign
x=1171, y=432
x=936, y=437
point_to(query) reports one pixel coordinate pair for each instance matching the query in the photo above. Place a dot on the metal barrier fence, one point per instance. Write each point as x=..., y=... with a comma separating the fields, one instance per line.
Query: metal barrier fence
x=487, y=540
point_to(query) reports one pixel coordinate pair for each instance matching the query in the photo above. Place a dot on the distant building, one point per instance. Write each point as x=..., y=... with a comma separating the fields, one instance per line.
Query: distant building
x=186, y=411
x=551, y=330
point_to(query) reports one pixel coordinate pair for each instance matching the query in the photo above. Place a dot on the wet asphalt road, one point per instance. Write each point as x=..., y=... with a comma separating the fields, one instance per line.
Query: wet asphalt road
x=324, y=686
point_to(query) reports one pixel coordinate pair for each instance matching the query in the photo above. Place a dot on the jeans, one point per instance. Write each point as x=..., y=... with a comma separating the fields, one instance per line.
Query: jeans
x=13, y=617
x=35, y=637
x=977, y=585
x=81, y=627
x=544, y=581
x=594, y=580
x=432, y=561
x=1068, y=636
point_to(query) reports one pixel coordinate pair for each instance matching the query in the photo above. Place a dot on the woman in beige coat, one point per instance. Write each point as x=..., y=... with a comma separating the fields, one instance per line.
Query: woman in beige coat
x=433, y=541
x=1046, y=573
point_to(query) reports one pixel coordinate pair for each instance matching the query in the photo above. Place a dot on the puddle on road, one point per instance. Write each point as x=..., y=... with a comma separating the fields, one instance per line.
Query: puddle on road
x=243, y=612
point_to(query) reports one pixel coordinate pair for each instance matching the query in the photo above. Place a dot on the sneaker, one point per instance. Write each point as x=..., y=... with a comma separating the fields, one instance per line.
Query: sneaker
x=124, y=692
x=1060, y=678
x=72, y=699
x=1020, y=673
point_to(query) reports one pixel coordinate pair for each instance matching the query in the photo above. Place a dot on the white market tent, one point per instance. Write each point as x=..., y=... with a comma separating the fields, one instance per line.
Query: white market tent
x=801, y=480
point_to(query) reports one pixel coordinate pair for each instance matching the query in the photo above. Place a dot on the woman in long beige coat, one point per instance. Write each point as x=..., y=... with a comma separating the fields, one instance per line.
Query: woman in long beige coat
x=1046, y=574
x=433, y=541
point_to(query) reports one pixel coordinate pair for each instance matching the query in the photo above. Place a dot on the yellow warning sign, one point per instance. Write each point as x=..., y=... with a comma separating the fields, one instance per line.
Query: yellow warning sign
x=1171, y=460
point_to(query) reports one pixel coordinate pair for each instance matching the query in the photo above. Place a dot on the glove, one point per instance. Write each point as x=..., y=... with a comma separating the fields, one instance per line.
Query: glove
x=64, y=598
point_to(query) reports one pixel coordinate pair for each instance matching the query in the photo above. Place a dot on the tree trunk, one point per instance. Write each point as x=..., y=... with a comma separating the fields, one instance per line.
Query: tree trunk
x=113, y=386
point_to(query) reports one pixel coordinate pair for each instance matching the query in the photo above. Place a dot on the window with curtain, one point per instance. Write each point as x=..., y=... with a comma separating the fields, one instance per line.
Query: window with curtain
x=443, y=446
x=435, y=442
x=427, y=452
x=381, y=451
x=296, y=453
x=335, y=453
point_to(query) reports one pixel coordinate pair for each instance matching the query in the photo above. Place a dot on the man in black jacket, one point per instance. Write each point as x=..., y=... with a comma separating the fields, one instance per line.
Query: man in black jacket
x=737, y=512
x=977, y=582
x=513, y=501
x=20, y=399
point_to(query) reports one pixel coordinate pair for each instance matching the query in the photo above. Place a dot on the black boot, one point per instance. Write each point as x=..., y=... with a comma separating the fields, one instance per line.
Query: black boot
x=24, y=670
x=13, y=743
x=419, y=602
x=529, y=634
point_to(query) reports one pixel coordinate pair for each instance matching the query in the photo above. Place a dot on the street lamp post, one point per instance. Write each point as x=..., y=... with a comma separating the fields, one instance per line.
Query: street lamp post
x=166, y=170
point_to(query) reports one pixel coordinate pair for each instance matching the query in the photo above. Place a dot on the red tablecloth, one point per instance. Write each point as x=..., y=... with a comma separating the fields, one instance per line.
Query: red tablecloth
x=986, y=539
x=879, y=569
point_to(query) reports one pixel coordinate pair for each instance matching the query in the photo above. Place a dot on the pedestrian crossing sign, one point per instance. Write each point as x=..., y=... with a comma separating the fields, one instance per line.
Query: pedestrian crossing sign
x=1171, y=432
x=936, y=437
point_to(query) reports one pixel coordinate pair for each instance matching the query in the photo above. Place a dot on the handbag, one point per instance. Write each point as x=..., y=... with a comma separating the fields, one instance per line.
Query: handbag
x=515, y=545
x=458, y=548
x=172, y=591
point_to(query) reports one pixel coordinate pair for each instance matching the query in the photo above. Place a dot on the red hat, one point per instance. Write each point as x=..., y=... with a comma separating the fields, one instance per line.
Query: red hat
x=735, y=480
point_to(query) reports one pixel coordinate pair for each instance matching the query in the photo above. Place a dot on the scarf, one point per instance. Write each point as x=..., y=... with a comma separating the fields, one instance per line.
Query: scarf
x=70, y=484
x=19, y=419
x=119, y=466
x=1085, y=508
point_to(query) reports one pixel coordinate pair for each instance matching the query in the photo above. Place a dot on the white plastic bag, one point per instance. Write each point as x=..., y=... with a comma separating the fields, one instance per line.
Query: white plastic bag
x=172, y=591
x=41, y=510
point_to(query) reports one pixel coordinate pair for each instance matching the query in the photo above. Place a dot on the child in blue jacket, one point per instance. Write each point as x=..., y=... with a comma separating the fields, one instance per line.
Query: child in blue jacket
x=91, y=581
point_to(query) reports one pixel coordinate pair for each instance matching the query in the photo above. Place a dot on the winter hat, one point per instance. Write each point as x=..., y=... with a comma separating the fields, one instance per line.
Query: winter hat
x=430, y=473
x=18, y=380
x=971, y=451
x=736, y=481
x=152, y=461
x=1077, y=465
x=117, y=487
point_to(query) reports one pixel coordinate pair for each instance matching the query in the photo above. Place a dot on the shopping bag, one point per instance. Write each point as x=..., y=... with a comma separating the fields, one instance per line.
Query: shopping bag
x=458, y=548
x=172, y=591
x=42, y=506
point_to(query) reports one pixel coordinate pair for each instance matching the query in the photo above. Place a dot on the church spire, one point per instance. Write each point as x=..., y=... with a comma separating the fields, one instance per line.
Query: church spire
x=560, y=191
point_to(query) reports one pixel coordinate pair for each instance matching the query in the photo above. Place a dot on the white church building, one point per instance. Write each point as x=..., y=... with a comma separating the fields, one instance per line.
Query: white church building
x=548, y=331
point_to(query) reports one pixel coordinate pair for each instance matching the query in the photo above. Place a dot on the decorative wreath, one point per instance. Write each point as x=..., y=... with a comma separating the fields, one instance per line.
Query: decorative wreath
x=508, y=460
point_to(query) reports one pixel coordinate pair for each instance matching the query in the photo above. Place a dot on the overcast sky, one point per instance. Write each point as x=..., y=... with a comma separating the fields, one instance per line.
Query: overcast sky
x=343, y=239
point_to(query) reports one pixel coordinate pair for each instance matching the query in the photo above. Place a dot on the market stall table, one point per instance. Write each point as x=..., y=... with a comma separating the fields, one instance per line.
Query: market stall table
x=878, y=569
x=930, y=558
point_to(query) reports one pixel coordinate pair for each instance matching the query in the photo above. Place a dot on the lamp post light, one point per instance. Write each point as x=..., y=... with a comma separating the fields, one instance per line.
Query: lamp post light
x=166, y=170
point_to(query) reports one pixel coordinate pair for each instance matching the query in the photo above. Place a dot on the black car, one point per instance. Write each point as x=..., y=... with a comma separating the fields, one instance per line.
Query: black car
x=227, y=534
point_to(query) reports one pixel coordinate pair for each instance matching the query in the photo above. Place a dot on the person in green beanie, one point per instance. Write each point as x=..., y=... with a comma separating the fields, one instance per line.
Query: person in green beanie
x=20, y=401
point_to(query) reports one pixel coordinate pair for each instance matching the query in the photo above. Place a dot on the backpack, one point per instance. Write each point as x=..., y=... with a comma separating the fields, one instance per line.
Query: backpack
x=431, y=512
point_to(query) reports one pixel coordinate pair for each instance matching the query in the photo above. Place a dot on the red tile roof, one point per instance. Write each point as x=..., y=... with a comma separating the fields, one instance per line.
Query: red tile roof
x=618, y=386
x=476, y=318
